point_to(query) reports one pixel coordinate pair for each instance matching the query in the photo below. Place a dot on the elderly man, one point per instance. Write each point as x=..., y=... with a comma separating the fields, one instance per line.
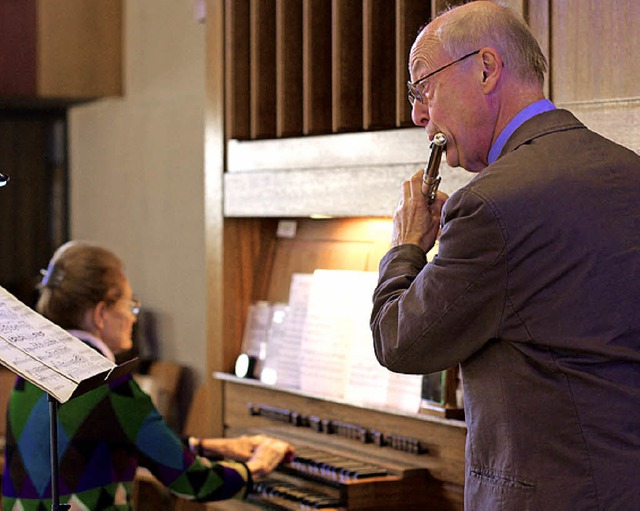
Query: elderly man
x=535, y=288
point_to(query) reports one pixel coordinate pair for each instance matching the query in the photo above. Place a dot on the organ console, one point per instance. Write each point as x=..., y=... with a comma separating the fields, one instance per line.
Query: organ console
x=347, y=457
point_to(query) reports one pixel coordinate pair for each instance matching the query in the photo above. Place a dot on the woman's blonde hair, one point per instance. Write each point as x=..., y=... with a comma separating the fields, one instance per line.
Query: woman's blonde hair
x=79, y=276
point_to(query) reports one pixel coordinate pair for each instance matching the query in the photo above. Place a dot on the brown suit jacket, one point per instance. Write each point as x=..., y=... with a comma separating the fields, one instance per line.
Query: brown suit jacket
x=535, y=292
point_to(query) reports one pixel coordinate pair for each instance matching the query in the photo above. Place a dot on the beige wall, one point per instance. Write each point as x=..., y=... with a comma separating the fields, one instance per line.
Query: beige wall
x=136, y=166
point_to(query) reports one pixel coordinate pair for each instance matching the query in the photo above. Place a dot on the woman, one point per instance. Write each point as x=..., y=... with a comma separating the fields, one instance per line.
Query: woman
x=105, y=434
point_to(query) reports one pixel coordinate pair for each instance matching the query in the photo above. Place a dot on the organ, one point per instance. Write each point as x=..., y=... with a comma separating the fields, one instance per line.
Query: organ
x=316, y=127
x=349, y=456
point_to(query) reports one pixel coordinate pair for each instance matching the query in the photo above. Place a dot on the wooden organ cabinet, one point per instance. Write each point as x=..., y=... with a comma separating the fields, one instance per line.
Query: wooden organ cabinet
x=312, y=130
x=347, y=456
x=307, y=104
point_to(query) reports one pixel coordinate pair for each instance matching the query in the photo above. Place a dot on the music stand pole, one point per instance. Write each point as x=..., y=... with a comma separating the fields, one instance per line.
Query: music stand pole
x=53, y=441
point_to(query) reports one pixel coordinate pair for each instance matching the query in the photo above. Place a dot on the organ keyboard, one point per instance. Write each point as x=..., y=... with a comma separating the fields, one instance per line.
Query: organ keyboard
x=347, y=457
x=321, y=479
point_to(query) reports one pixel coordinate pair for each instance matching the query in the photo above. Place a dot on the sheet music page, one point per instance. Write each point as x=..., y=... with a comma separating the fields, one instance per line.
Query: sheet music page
x=337, y=354
x=366, y=379
x=404, y=392
x=42, y=352
x=293, y=328
x=368, y=382
x=334, y=334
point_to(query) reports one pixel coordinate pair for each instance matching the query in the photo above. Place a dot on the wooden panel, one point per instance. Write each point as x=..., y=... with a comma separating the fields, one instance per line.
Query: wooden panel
x=18, y=48
x=537, y=16
x=411, y=15
x=61, y=49
x=335, y=244
x=354, y=174
x=263, y=68
x=617, y=120
x=347, y=65
x=594, y=50
x=359, y=149
x=80, y=48
x=289, y=67
x=316, y=49
x=248, y=258
x=379, y=54
x=258, y=265
x=237, y=70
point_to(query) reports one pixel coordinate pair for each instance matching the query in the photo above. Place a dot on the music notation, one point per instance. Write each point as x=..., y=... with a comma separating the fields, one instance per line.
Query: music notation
x=42, y=352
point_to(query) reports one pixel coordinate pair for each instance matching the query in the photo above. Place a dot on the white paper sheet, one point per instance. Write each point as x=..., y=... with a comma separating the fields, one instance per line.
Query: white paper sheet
x=291, y=338
x=42, y=352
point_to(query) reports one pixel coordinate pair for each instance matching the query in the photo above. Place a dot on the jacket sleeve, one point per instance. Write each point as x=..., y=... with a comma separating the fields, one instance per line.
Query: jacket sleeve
x=169, y=459
x=428, y=317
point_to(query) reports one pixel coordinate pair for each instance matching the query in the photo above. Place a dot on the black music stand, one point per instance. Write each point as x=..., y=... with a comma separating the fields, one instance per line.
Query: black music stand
x=53, y=445
x=23, y=332
x=85, y=386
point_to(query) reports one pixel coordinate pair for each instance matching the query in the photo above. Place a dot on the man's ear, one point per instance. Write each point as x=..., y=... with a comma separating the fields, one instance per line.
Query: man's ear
x=491, y=69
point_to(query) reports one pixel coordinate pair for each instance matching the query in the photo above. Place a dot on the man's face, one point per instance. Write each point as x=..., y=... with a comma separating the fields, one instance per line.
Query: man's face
x=452, y=101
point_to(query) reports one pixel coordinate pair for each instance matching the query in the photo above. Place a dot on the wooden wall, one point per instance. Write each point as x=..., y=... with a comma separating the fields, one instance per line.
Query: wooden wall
x=593, y=68
x=594, y=50
x=302, y=68
x=297, y=68
x=293, y=157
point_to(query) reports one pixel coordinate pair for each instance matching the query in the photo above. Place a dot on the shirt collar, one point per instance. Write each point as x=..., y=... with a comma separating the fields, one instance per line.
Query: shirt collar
x=94, y=342
x=544, y=105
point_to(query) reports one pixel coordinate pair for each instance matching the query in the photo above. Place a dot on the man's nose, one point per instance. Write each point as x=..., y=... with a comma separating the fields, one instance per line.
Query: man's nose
x=420, y=112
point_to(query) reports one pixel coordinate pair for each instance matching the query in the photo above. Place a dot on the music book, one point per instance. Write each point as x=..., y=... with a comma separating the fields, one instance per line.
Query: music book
x=48, y=356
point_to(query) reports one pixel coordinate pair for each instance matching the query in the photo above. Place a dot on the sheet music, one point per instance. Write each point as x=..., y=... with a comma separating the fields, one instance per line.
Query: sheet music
x=337, y=357
x=293, y=328
x=336, y=333
x=367, y=379
x=42, y=352
x=404, y=392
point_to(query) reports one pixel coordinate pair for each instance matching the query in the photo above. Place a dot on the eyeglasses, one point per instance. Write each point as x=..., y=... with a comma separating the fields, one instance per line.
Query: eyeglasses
x=413, y=91
x=134, y=307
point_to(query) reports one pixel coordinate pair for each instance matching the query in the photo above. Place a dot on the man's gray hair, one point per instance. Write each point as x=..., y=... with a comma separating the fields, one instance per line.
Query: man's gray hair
x=500, y=28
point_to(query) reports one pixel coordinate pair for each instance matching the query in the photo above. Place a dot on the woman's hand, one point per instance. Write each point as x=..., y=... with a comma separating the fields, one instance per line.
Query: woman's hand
x=268, y=455
x=240, y=448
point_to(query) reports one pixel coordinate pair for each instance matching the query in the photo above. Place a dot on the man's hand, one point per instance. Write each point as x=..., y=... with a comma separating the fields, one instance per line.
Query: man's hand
x=414, y=221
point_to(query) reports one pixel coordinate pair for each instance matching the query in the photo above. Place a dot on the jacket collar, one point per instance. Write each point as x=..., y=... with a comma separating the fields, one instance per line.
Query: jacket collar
x=542, y=124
